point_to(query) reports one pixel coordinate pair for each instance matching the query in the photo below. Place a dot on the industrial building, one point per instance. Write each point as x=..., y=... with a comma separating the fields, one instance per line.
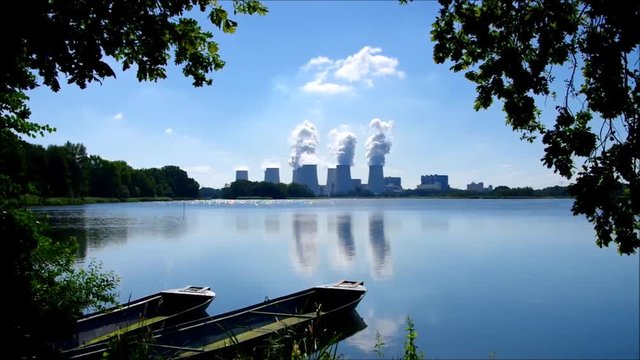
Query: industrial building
x=434, y=182
x=479, y=187
x=242, y=175
x=392, y=183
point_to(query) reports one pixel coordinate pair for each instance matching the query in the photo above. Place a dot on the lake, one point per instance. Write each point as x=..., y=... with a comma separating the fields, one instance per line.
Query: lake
x=514, y=278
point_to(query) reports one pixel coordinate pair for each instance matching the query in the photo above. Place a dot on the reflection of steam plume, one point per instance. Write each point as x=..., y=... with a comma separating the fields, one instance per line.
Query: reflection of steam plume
x=304, y=140
x=347, y=246
x=242, y=221
x=343, y=145
x=380, y=247
x=272, y=224
x=379, y=144
x=305, y=229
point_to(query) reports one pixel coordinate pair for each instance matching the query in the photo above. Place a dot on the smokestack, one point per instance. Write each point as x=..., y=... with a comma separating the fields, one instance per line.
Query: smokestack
x=330, y=188
x=272, y=175
x=343, y=180
x=242, y=175
x=376, y=179
x=308, y=175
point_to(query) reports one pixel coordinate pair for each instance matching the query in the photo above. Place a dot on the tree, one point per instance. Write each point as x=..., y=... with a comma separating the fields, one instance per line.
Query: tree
x=70, y=41
x=518, y=52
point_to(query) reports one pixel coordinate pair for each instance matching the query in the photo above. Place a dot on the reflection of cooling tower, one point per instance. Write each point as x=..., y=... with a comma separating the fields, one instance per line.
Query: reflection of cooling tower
x=272, y=175
x=330, y=189
x=343, y=180
x=376, y=179
x=380, y=247
x=307, y=175
x=242, y=175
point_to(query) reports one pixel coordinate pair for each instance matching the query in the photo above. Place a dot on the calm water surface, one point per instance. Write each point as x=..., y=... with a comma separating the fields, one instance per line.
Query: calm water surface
x=521, y=278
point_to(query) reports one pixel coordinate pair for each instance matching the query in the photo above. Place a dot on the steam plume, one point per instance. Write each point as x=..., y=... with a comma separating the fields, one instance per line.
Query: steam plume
x=343, y=144
x=304, y=139
x=379, y=144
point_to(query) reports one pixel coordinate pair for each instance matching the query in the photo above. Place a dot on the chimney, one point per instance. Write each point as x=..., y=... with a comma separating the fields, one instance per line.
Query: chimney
x=343, y=180
x=376, y=179
x=272, y=175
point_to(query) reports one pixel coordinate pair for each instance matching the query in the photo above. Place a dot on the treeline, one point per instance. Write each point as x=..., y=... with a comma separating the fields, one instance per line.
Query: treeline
x=68, y=171
x=254, y=189
x=497, y=192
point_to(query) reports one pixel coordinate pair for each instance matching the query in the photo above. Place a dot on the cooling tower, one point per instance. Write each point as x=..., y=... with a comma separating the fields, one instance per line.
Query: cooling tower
x=376, y=179
x=308, y=175
x=242, y=175
x=343, y=180
x=272, y=175
x=294, y=176
x=330, y=188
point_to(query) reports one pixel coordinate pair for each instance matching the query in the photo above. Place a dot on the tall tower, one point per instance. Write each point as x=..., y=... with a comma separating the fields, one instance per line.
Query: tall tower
x=272, y=175
x=343, y=180
x=242, y=175
x=330, y=188
x=307, y=175
x=376, y=179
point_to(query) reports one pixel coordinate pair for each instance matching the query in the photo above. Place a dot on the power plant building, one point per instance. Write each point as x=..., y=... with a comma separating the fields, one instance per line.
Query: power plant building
x=479, y=187
x=392, y=183
x=434, y=182
x=272, y=175
x=242, y=175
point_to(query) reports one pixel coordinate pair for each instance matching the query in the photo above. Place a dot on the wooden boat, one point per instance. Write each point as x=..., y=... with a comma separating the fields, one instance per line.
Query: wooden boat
x=164, y=308
x=250, y=329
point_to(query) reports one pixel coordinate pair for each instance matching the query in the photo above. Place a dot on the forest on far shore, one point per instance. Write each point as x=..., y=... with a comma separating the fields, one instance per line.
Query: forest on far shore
x=68, y=171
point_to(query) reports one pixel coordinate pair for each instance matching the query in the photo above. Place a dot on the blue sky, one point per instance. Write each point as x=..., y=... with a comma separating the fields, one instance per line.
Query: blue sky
x=337, y=65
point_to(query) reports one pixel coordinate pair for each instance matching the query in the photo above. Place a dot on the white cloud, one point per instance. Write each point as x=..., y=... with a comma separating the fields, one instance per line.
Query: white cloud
x=168, y=130
x=118, y=116
x=367, y=62
x=319, y=86
x=318, y=62
x=334, y=76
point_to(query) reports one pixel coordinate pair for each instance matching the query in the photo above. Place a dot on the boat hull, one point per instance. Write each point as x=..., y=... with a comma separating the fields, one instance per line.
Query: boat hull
x=251, y=330
x=162, y=309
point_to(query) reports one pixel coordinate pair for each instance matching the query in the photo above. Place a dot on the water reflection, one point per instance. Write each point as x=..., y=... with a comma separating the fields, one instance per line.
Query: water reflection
x=346, y=249
x=100, y=228
x=272, y=224
x=435, y=222
x=305, y=230
x=390, y=331
x=380, y=248
x=242, y=221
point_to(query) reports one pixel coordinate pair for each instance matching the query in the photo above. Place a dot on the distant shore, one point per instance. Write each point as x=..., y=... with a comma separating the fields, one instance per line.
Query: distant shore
x=31, y=200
